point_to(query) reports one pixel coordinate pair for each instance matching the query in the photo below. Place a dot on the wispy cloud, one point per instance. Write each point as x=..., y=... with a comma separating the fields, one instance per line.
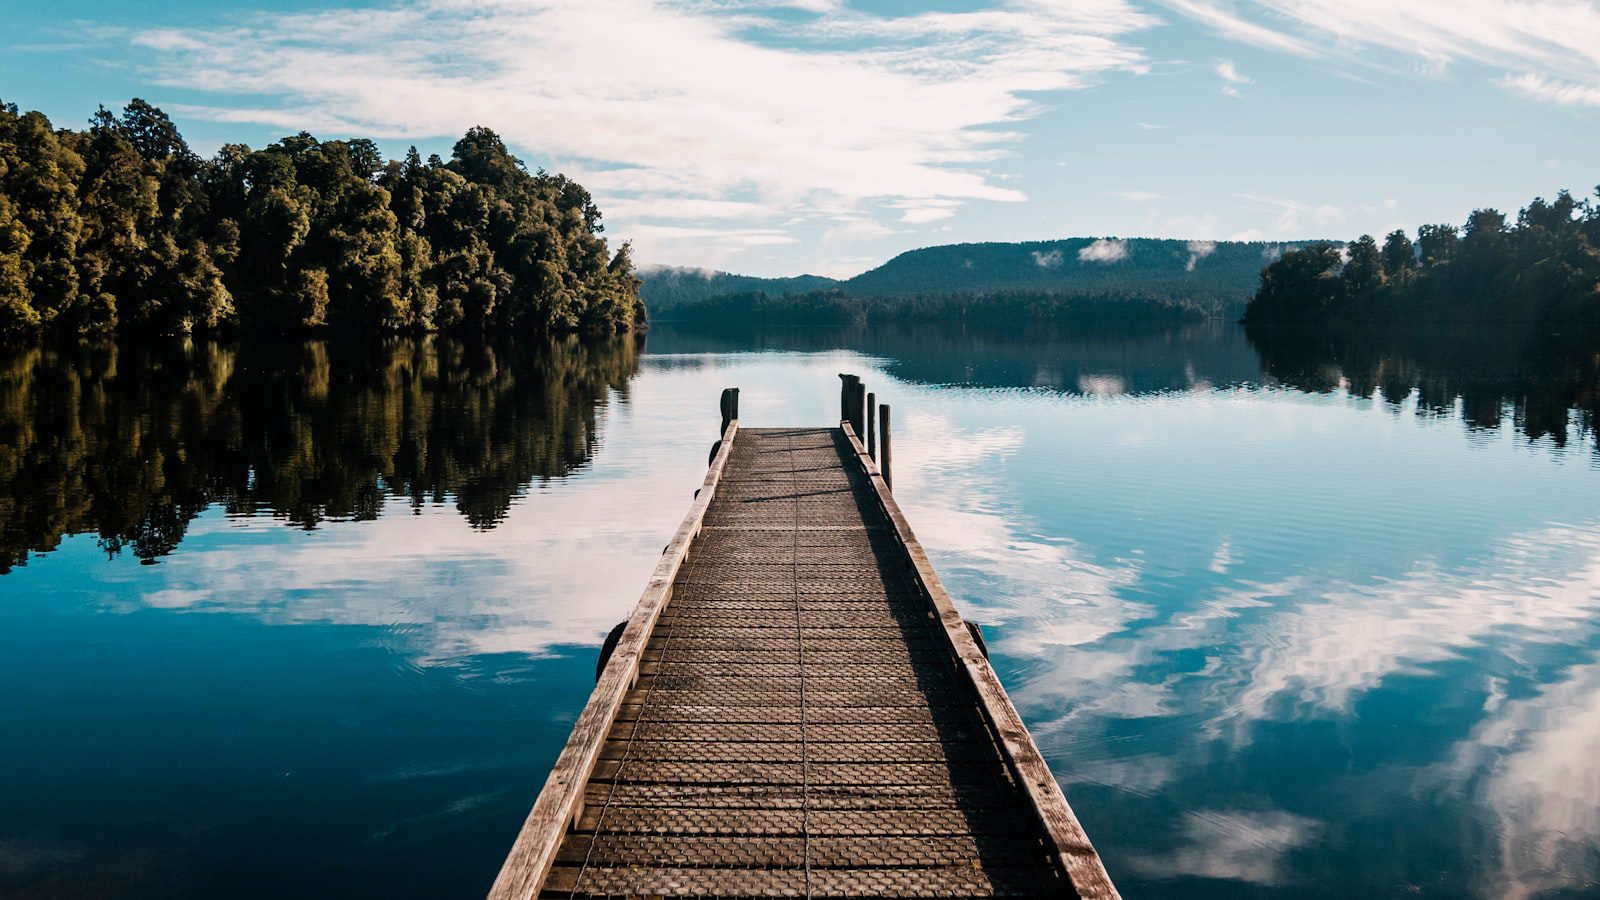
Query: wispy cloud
x=1050, y=260
x=695, y=102
x=1231, y=77
x=1236, y=28
x=1199, y=250
x=922, y=212
x=1546, y=49
x=1104, y=250
x=1563, y=93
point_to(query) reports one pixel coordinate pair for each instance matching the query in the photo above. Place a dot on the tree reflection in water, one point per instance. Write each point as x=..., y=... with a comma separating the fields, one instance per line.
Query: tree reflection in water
x=131, y=440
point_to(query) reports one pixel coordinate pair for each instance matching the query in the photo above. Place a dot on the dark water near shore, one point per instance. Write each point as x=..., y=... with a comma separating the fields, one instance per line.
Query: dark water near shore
x=1309, y=617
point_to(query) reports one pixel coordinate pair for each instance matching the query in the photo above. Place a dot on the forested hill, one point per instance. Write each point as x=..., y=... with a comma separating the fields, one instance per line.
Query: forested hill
x=121, y=225
x=1217, y=276
x=667, y=286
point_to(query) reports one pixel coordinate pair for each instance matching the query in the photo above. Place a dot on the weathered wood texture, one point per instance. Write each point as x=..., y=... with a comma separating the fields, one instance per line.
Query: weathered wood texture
x=561, y=802
x=810, y=716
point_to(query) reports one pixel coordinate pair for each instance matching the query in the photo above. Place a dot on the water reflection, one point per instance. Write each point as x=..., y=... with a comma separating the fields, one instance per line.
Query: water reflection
x=1286, y=620
x=131, y=441
x=1119, y=360
x=1548, y=385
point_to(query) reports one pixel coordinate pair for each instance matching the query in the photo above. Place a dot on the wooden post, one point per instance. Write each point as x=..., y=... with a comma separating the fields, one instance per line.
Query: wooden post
x=730, y=407
x=883, y=445
x=872, y=430
x=858, y=402
x=847, y=392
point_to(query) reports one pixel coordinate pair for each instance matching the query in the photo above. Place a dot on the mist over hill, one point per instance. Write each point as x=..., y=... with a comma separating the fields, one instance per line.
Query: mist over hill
x=1216, y=276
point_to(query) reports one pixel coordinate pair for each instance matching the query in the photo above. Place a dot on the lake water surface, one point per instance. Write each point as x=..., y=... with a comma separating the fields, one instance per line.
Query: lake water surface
x=1310, y=620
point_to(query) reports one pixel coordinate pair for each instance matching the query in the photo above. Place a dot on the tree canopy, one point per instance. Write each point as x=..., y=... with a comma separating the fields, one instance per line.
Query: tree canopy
x=123, y=226
x=1542, y=270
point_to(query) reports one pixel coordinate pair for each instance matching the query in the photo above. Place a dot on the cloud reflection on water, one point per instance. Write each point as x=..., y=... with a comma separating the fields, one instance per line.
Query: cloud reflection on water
x=1084, y=646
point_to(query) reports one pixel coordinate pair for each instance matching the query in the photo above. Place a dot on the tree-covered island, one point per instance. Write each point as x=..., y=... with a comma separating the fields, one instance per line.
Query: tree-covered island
x=123, y=227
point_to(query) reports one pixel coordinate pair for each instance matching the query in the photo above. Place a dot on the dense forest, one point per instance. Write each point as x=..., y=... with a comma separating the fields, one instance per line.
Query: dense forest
x=998, y=310
x=667, y=287
x=131, y=440
x=1541, y=271
x=123, y=226
x=1215, y=276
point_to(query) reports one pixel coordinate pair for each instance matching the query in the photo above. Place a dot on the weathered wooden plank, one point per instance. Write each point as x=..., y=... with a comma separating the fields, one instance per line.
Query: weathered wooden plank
x=561, y=800
x=1073, y=850
x=798, y=716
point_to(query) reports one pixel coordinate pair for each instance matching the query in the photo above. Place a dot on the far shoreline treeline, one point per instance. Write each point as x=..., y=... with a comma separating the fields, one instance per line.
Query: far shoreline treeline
x=121, y=227
x=1541, y=271
x=994, y=309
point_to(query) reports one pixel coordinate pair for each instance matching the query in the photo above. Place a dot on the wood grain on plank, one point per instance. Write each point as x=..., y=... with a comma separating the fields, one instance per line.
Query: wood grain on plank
x=560, y=803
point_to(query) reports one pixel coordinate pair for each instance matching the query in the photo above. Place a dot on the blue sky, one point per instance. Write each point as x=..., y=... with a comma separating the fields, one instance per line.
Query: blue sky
x=827, y=135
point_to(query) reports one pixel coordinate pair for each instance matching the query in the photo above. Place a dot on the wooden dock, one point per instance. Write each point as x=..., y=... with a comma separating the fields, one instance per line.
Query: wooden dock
x=796, y=709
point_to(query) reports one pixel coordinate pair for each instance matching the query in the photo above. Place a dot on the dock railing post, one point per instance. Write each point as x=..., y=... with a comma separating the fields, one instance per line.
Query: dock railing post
x=883, y=446
x=872, y=430
x=847, y=392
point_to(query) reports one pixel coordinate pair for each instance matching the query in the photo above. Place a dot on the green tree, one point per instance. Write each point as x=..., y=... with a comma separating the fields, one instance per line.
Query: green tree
x=1399, y=258
x=122, y=225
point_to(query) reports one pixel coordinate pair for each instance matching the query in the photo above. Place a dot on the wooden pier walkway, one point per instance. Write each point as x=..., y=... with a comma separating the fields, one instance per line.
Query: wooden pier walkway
x=796, y=709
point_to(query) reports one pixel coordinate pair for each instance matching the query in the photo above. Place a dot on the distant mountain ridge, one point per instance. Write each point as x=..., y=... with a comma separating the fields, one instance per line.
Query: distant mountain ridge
x=1220, y=276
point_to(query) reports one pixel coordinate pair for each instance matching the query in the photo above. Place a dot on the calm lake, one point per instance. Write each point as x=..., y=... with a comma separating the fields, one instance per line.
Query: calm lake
x=1297, y=619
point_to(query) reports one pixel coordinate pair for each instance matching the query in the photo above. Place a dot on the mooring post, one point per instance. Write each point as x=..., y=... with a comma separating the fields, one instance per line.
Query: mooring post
x=845, y=393
x=730, y=407
x=858, y=403
x=883, y=445
x=872, y=404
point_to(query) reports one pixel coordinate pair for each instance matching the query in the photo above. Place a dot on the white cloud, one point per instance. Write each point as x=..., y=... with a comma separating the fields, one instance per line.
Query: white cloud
x=1563, y=93
x=1238, y=29
x=922, y=212
x=688, y=102
x=1199, y=250
x=640, y=208
x=1104, y=250
x=1231, y=77
x=1546, y=49
x=1050, y=260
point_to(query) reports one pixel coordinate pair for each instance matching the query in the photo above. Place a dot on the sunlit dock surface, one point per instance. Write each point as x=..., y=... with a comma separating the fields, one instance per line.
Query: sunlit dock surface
x=795, y=708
